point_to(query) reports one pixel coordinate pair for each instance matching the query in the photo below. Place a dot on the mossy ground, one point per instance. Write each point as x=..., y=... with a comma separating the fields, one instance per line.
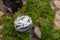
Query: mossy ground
x=42, y=15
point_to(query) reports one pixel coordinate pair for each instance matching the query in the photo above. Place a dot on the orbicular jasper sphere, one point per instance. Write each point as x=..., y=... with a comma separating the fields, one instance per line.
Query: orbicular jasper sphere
x=23, y=23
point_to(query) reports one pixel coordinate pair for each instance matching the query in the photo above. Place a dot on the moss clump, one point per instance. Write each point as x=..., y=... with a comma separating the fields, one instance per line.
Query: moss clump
x=35, y=9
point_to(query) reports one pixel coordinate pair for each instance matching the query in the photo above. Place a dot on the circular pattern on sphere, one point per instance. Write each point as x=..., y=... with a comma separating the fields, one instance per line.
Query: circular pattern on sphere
x=23, y=23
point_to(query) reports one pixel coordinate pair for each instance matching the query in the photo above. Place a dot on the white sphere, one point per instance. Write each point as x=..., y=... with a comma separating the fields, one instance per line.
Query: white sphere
x=23, y=23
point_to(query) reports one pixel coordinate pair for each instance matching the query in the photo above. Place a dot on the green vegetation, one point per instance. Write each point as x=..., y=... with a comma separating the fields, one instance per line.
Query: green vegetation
x=35, y=9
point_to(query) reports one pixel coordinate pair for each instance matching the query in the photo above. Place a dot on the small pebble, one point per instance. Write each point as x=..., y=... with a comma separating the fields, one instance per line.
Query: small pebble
x=1, y=27
x=57, y=3
x=57, y=19
x=37, y=32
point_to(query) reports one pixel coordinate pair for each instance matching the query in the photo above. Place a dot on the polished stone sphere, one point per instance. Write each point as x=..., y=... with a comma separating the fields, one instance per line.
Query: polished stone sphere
x=23, y=23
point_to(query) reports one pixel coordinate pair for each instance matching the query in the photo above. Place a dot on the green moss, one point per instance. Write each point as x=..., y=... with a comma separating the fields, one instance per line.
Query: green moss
x=35, y=9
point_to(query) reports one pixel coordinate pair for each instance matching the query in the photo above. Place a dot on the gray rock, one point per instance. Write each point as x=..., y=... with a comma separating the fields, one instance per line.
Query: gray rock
x=37, y=32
